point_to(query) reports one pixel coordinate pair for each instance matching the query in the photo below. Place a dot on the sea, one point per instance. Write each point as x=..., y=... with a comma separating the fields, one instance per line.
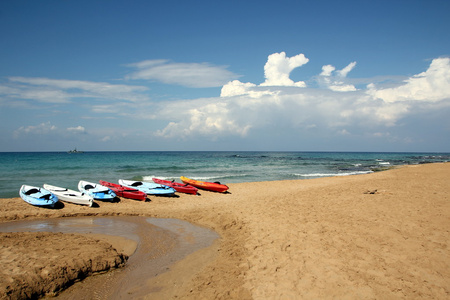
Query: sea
x=66, y=169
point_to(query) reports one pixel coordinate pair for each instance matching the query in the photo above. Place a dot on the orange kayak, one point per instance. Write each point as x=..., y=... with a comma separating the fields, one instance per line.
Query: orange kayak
x=210, y=186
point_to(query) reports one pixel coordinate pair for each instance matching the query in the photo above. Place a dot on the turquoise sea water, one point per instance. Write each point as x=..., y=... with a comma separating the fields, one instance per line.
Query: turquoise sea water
x=65, y=170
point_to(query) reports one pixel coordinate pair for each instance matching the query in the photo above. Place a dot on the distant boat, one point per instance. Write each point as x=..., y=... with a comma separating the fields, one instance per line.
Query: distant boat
x=74, y=151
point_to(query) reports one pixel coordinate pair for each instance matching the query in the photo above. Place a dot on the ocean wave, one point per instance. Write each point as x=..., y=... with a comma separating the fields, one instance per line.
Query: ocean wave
x=216, y=177
x=149, y=178
x=333, y=174
x=136, y=178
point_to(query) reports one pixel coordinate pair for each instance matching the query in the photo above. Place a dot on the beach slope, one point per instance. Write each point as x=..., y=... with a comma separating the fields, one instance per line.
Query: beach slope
x=383, y=235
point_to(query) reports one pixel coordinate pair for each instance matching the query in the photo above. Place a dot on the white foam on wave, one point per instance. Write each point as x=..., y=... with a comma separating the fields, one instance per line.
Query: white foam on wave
x=202, y=178
x=206, y=178
x=149, y=178
x=333, y=174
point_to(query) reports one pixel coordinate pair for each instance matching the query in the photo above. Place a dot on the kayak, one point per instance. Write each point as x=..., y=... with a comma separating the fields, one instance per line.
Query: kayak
x=179, y=187
x=149, y=188
x=123, y=191
x=205, y=185
x=37, y=196
x=96, y=191
x=71, y=196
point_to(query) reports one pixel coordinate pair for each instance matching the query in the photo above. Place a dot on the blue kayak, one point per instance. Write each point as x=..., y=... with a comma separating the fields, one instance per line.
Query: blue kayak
x=149, y=188
x=96, y=191
x=37, y=196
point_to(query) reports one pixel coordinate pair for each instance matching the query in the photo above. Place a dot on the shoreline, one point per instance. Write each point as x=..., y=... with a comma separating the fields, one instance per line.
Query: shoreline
x=377, y=235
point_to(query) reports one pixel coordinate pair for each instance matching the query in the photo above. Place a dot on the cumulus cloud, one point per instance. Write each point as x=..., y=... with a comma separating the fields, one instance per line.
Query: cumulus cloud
x=63, y=91
x=244, y=107
x=206, y=117
x=278, y=68
x=432, y=85
x=336, y=108
x=235, y=88
x=195, y=75
x=335, y=80
x=327, y=70
x=276, y=71
x=305, y=111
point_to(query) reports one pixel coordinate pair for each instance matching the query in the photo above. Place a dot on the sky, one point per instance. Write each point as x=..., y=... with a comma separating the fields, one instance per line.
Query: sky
x=225, y=75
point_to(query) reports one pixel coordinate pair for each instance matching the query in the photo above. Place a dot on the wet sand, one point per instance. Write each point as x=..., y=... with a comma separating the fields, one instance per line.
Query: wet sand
x=377, y=236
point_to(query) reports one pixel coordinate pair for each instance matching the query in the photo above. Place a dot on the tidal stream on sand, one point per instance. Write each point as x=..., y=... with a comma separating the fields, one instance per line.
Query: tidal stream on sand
x=159, y=244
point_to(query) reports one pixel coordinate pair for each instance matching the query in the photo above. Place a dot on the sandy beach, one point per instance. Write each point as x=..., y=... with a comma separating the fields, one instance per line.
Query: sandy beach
x=383, y=235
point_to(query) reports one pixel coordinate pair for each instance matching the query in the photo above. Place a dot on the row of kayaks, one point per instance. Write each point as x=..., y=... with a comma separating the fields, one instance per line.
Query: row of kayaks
x=49, y=195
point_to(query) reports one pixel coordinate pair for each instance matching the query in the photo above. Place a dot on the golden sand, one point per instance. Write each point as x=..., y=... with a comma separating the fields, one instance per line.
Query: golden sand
x=383, y=235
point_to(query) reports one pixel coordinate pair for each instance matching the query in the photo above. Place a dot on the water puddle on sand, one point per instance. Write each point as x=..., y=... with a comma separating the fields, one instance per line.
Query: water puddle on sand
x=160, y=243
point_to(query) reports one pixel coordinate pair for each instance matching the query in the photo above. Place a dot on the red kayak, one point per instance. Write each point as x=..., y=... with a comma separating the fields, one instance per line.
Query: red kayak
x=205, y=185
x=179, y=187
x=123, y=191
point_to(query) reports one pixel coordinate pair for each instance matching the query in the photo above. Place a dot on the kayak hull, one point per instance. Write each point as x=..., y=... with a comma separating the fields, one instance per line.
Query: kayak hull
x=123, y=191
x=205, y=185
x=96, y=191
x=149, y=188
x=70, y=196
x=37, y=196
x=179, y=187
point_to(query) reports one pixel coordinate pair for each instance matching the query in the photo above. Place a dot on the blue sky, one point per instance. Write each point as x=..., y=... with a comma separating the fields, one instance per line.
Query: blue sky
x=228, y=75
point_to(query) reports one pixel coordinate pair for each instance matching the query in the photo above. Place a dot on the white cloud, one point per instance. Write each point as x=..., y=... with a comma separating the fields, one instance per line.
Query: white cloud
x=41, y=129
x=236, y=88
x=336, y=82
x=276, y=71
x=432, y=85
x=277, y=105
x=196, y=75
x=77, y=130
x=278, y=68
x=238, y=115
x=40, y=94
x=48, y=129
x=63, y=91
x=244, y=107
x=347, y=69
x=327, y=70
x=206, y=117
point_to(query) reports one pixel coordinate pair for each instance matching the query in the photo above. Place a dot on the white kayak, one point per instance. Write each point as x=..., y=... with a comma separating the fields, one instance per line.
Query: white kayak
x=149, y=188
x=96, y=191
x=71, y=196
